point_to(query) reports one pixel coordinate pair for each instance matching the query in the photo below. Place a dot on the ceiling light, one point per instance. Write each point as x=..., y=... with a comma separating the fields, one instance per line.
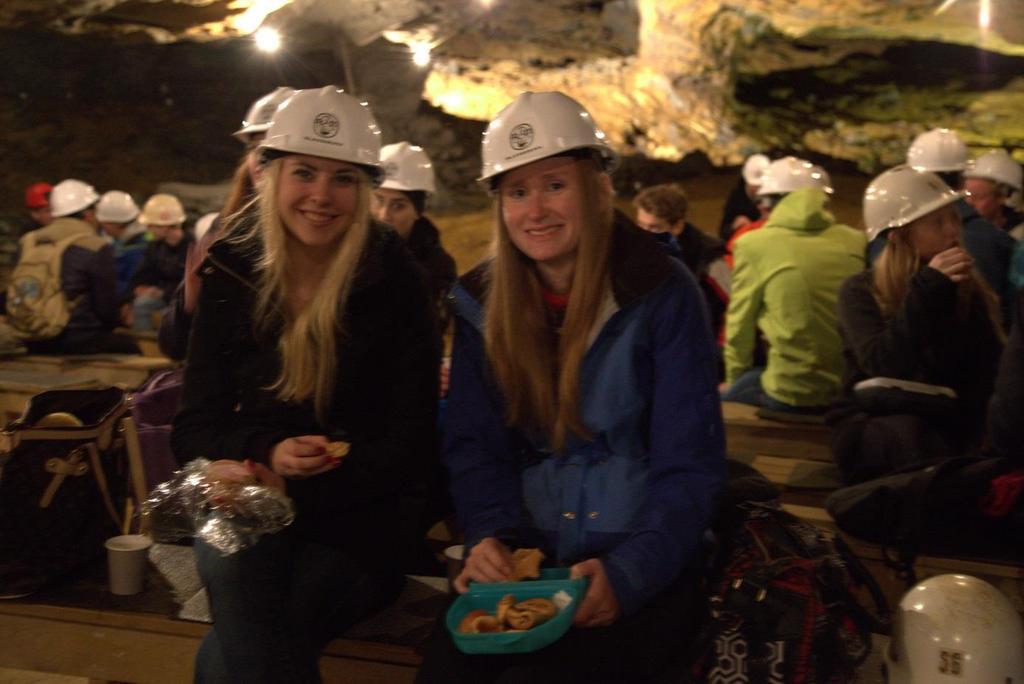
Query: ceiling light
x=267, y=39
x=420, y=54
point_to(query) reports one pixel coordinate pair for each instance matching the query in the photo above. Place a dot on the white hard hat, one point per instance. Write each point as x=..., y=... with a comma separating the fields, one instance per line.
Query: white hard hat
x=327, y=122
x=71, y=196
x=790, y=173
x=406, y=167
x=753, y=168
x=955, y=628
x=204, y=224
x=536, y=126
x=996, y=165
x=162, y=210
x=116, y=207
x=938, y=150
x=257, y=120
x=902, y=194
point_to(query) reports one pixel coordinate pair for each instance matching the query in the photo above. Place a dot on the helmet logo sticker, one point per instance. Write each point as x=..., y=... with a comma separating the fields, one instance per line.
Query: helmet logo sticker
x=521, y=136
x=390, y=169
x=326, y=125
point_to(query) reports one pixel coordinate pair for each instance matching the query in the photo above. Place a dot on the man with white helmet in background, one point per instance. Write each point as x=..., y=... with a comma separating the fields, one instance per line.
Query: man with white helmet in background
x=76, y=315
x=955, y=628
x=994, y=179
x=116, y=212
x=741, y=206
x=785, y=283
x=163, y=264
x=944, y=153
x=400, y=201
x=778, y=179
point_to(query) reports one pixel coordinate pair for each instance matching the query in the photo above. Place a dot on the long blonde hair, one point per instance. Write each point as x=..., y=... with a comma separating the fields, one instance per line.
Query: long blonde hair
x=307, y=343
x=538, y=370
x=898, y=263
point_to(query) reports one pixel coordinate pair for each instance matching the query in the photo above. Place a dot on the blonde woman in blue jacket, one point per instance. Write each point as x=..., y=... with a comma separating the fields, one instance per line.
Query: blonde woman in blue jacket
x=583, y=417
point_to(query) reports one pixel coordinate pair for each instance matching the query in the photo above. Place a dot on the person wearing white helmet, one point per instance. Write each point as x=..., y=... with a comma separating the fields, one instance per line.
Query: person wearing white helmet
x=400, y=201
x=87, y=278
x=116, y=211
x=162, y=266
x=313, y=336
x=955, y=628
x=942, y=152
x=777, y=179
x=786, y=277
x=992, y=180
x=177, y=318
x=741, y=207
x=583, y=364
x=919, y=314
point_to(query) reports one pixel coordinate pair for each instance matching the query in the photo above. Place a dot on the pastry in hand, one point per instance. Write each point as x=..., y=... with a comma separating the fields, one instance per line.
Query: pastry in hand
x=338, y=450
x=530, y=613
x=526, y=564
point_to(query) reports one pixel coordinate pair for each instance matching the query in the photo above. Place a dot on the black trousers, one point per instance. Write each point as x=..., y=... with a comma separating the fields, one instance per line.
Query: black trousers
x=652, y=645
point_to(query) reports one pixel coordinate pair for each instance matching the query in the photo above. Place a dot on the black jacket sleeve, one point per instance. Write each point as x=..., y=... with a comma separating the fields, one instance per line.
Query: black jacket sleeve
x=1006, y=412
x=103, y=283
x=207, y=423
x=175, y=326
x=892, y=347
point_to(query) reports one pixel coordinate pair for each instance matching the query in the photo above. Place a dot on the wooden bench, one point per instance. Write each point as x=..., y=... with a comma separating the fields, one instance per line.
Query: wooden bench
x=124, y=646
x=749, y=435
x=124, y=370
x=18, y=386
x=1007, y=575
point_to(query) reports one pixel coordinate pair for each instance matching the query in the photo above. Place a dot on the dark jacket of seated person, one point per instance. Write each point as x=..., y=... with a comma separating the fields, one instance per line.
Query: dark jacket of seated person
x=941, y=334
x=89, y=279
x=384, y=399
x=1006, y=412
x=162, y=266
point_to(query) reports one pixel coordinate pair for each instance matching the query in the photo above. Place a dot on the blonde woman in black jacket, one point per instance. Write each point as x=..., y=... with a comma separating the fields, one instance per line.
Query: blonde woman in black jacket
x=313, y=325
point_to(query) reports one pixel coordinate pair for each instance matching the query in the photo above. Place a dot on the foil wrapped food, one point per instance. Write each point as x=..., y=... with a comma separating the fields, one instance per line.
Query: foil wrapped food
x=223, y=508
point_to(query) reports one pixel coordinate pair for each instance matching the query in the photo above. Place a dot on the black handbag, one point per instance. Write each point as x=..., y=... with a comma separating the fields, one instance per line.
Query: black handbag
x=63, y=475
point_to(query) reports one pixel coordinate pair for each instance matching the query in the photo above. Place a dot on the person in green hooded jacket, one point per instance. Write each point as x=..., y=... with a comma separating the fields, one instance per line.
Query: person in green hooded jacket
x=785, y=283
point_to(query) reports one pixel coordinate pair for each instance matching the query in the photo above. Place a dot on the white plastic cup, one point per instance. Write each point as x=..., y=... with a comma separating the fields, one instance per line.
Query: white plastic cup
x=126, y=562
x=453, y=555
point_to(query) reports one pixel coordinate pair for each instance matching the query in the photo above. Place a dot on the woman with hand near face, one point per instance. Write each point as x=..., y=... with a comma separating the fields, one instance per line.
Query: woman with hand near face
x=313, y=326
x=583, y=416
x=922, y=314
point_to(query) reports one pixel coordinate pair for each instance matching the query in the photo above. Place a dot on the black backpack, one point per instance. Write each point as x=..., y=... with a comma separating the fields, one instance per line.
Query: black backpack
x=783, y=603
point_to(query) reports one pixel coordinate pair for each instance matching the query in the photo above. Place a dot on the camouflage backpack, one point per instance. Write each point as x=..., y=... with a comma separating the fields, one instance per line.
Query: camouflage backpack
x=36, y=305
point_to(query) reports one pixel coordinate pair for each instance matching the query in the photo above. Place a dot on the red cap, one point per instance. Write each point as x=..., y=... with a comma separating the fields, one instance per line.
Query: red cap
x=37, y=195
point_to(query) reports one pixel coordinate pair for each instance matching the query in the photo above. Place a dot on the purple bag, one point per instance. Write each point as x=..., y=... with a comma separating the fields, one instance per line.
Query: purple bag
x=153, y=407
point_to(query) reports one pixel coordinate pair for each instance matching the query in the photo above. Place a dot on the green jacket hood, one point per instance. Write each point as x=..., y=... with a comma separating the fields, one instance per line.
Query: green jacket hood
x=802, y=210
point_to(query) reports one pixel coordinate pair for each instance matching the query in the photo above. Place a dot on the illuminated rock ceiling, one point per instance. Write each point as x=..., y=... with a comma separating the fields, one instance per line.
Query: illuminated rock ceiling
x=850, y=79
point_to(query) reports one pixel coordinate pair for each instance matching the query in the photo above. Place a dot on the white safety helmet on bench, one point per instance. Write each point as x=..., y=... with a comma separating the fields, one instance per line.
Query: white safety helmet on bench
x=407, y=168
x=902, y=194
x=955, y=629
x=536, y=126
x=326, y=122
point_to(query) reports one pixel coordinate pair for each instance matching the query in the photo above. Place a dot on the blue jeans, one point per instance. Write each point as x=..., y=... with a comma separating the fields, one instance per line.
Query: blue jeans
x=747, y=389
x=143, y=309
x=276, y=605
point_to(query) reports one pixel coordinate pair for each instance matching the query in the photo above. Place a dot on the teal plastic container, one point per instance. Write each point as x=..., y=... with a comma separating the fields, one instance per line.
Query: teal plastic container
x=486, y=597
